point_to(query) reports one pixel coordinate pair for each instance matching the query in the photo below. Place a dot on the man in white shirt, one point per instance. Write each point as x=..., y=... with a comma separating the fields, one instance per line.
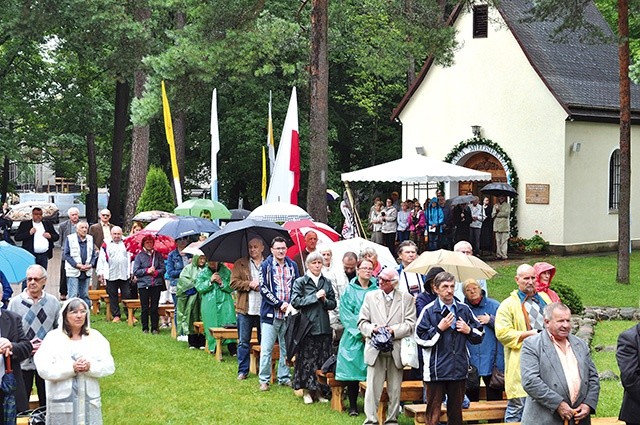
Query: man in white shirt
x=113, y=270
x=37, y=237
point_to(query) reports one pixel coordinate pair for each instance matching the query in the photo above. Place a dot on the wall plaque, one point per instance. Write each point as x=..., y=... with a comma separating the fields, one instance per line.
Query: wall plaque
x=537, y=193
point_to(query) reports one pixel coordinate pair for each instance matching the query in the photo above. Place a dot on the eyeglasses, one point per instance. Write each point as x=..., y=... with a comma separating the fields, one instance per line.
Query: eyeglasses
x=366, y=269
x=106, y=215
x=80, y=312
x=34, y=279
x=385, y=280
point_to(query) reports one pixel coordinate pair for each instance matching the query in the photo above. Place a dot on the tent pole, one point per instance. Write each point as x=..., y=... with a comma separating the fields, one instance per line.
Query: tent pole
x=354, y=211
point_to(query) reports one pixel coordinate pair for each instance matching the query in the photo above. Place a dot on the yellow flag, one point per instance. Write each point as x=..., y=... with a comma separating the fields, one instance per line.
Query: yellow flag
x=168, y=128
x=264, y=176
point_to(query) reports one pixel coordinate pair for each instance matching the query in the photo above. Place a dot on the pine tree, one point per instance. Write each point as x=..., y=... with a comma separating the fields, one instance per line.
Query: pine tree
x=156, y=194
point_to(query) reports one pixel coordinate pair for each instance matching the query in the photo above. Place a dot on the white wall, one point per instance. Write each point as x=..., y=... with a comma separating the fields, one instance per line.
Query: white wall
x=492, y=84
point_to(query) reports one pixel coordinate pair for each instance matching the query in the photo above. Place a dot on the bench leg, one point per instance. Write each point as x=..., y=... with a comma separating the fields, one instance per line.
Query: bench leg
x=254, y=363
x=336, y=398
x=382, y=412
x=130, y=316
x=95, y=306
x=273, y=370
x=108, y=312
x=219, y=349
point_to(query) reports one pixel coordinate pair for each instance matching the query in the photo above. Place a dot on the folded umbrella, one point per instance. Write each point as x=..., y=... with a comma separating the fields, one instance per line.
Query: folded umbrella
x=8, y=386
x=297, y=327
x=382, y=340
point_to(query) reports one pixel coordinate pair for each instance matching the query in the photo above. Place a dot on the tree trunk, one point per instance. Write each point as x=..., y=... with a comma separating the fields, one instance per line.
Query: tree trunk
x=119, y=134
x=140, y=140
x=5, y=179
x=92, y=196
x=179, y=135
x=319, y=113
x=624, y=240
x=139, y=156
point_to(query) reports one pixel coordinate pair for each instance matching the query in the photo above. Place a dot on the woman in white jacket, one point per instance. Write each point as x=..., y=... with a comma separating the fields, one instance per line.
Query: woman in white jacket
x=70, y=360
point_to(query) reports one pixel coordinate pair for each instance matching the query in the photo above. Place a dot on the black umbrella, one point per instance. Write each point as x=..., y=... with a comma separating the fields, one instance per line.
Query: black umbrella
x=8, y=388
x=499, y=189
x=180, y=227
x=298, y=326
x=382, y=340
x=238, y=214
x=460, y=200
x=232, y=242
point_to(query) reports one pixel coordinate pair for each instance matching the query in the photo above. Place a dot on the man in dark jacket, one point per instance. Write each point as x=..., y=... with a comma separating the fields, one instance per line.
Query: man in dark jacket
x=628, y=357
x=37, y=237
x=14, y=343
x=444, y=327
x=276, y=279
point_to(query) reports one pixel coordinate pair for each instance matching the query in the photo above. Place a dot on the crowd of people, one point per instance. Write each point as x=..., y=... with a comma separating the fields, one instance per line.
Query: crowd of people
x=358, y=311
x=440, y=223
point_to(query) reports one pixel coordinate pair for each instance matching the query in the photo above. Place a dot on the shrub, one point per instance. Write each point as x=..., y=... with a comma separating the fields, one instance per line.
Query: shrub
x=534, y=245
x=569, y=297
x=156, y=194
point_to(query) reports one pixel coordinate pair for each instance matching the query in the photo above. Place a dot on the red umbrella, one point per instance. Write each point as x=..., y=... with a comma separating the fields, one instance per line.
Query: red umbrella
x=162, y=244
x=297, y=230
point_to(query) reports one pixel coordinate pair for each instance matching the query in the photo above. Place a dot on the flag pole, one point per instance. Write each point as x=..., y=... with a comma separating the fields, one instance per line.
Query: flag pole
x=215, y=146
x=168, y=128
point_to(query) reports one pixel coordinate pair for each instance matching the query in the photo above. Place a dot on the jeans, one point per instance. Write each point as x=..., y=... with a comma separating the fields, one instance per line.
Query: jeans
x=149, y=298
x=246, y=323
x=269, y=334
x=515, y=407
x=112, y=290
x=79, y=288
x=42, y=259
x=402, y=235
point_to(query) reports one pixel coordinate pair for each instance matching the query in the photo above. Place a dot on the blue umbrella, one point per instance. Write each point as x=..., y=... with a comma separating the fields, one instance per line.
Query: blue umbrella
x=180, y=227
x=8, y=387
x=14, y=262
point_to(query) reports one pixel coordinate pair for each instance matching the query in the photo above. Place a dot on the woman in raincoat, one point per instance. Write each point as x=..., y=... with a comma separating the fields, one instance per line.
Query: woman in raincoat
x=214, y=285
x=544, y=275
x=189, y=301
x=71, y=359
x=350, y=365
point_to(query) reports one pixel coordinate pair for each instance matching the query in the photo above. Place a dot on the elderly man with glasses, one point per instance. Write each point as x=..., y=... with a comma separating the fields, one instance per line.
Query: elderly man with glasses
x=395, y=311
x=39, y=312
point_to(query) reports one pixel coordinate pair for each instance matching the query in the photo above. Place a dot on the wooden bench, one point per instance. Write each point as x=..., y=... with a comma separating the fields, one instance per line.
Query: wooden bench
x=221, y=334
x=477, y=411
x=409, y=391
x=254, y=360
x=105, y=300
x=199, y=328
x=34, y=402
x=134, y=304
x=337, y=389
x=94, y=296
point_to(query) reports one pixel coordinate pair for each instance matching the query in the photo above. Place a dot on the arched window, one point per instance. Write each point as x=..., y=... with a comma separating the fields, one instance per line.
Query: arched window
x=614, y=181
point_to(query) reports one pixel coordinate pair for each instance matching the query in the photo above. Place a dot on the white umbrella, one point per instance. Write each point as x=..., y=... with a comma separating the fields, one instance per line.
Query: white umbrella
x=338, y=249
x=279, y=212
x=460, y=265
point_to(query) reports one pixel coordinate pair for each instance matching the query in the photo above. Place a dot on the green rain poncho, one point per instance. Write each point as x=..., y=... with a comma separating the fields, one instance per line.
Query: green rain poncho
x=188, y=308
x=350, y=365
x=217, y=303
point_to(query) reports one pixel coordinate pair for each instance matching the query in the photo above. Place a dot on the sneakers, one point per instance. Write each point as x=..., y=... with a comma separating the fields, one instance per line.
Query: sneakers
x=182, y=338
x=242, y=376
x=307, y=397
x=286, y=383
x=155, y=332
x=353, y=412
x=116, y=319
x=264, y=387
x=322, y=399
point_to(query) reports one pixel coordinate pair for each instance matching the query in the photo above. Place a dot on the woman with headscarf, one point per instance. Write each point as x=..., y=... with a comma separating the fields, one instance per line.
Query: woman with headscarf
x=312, y=294
x=71, y=359
x=189, y=302
x=544, y=275
x=216, y=303
x=148, y=267
x=350, y=365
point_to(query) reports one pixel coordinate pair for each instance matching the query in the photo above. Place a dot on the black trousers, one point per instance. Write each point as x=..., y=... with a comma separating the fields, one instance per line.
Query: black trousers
x=28, y=377
x=112, y=290
x=149, y=298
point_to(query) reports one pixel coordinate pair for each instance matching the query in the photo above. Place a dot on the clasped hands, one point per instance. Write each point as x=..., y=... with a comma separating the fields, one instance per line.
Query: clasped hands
x=447, y=321
x=81, y=365
x=566, y=412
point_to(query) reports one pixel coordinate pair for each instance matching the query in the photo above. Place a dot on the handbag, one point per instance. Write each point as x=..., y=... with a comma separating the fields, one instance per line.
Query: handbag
x=497, y=379
x=473, y=379
x=409, y=352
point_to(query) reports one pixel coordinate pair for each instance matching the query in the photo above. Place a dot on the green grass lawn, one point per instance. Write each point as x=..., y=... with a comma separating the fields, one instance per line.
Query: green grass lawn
x=160, y=381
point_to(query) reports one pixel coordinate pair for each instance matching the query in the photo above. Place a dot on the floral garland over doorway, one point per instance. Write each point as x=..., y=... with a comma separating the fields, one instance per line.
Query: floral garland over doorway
x=480, y=144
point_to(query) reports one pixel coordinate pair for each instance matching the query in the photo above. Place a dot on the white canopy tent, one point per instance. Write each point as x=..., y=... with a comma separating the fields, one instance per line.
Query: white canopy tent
x=415, y=169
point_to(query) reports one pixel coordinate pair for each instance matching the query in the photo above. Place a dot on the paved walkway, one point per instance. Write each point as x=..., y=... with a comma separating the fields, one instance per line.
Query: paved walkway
x=53, y=270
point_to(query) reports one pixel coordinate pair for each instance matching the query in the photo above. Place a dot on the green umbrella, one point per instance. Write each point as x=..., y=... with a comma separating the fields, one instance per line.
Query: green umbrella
x=196, y=208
